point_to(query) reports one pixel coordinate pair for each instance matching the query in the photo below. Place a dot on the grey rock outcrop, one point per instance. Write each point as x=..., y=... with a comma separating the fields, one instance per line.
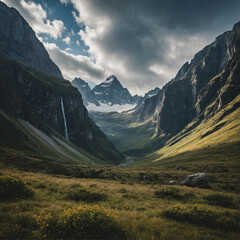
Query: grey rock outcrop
x=196, y=180
x=18, y=41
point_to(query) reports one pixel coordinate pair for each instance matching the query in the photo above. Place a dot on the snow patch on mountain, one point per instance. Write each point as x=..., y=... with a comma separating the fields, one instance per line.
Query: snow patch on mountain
x=104, y=107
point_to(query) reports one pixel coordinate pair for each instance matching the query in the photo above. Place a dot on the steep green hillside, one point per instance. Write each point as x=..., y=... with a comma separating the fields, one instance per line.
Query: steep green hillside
x=25, y=146
x=213, y=147
x=211, y=142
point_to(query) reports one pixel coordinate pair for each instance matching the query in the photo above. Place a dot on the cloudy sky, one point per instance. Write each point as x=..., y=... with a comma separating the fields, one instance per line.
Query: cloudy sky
x=142, y=42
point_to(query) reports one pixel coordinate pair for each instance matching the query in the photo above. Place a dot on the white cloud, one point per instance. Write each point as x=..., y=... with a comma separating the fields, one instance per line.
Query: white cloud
x=68, y=50
x=144, y=43
x=67, y=40
x=36, y=16
x=74, y=66
x=78, y=43
x=76, y=17
x=64, y=1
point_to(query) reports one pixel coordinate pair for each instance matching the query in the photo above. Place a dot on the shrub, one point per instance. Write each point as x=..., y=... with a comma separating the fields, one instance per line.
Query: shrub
x=13, y=188
x=198, y=214
x=22, y=226
x=84, y=222
x=172, y=193
x=85, y=195
x=220, y=200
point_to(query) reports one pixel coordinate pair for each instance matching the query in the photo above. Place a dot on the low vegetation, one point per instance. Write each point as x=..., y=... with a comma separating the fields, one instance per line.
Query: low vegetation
x=81, y=194
x=83, y=222
x=14, y=188
x=173, y=193
x=142, y=199
x=199, y=214
x=221, y=200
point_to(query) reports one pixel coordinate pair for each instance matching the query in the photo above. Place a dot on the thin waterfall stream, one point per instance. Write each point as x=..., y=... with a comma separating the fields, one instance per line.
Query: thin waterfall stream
x=64, y=120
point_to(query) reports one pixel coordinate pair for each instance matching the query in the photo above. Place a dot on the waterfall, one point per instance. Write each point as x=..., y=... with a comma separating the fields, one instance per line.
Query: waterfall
x=64, y=120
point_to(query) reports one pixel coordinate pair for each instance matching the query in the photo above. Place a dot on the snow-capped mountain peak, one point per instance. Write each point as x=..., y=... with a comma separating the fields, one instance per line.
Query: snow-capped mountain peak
x=111, y=79
x=112, y=92
x=109, y=92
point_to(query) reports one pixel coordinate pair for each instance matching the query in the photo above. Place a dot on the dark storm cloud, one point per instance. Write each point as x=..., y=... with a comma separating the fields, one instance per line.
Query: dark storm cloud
x=150, y=40
x=142, y=42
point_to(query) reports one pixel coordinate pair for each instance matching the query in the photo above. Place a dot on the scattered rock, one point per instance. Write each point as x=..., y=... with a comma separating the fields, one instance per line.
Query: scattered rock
x=171, y=182
x=196, y=180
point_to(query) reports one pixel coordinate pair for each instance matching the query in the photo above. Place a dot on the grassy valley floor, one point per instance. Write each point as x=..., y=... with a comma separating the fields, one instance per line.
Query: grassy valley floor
x=145, y=205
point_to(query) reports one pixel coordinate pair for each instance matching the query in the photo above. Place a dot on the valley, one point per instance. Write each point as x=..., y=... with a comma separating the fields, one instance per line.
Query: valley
x=99, y=162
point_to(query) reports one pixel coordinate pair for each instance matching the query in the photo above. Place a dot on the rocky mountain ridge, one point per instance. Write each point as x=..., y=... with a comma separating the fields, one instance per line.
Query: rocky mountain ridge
x=109, y=92
x=112, y=92
x=18, y=41
x=87, y=94
x=178, y=101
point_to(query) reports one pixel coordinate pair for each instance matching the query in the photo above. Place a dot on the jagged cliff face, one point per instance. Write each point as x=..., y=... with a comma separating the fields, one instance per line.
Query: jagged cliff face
x=151, y=106
x=31, y=95
x=189, y=94
x=147, y=95
x=86, y=92
x=18, y=40
x=211, y=77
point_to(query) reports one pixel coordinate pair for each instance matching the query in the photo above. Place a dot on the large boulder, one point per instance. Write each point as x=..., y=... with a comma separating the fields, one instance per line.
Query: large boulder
x=196, y=180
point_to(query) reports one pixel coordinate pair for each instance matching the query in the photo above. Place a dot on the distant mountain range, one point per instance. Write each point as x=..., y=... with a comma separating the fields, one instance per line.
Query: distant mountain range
x=110, y=93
